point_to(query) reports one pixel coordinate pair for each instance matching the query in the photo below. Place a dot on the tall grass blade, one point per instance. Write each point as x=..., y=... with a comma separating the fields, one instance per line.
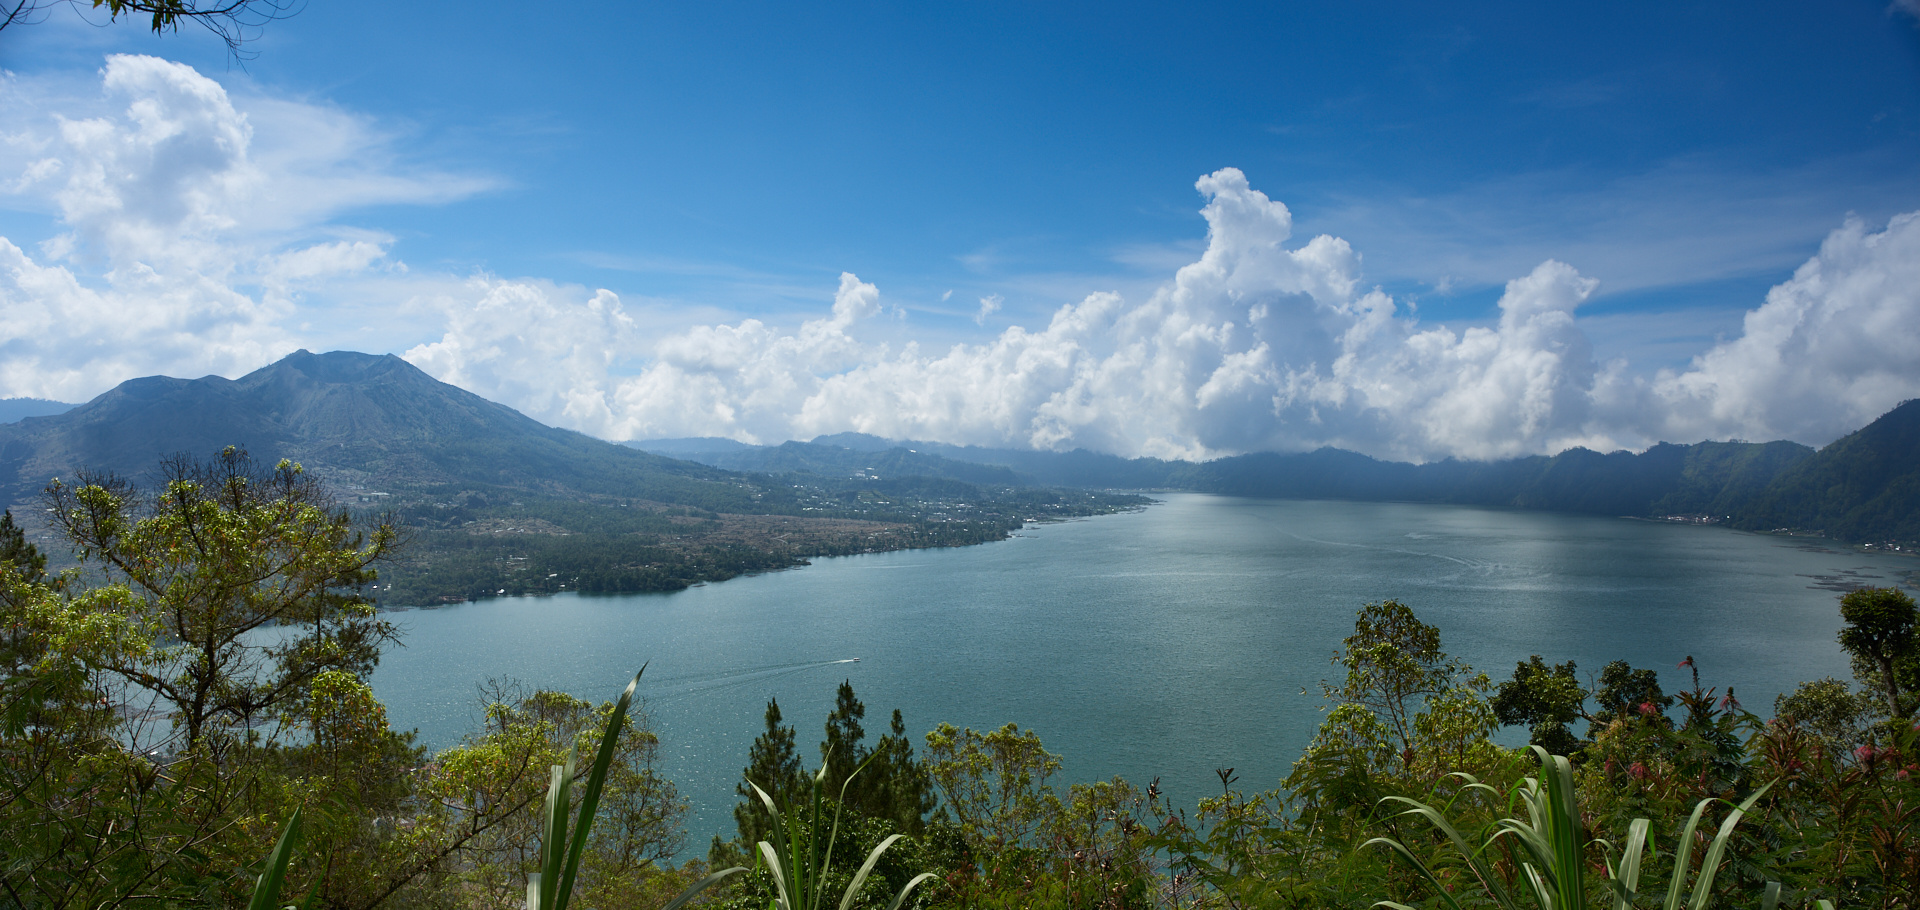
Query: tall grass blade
x=694, y=890
x=781, y=896
x=800, y=868
x=1419, y=867
x=1566, y=838
x=1682, y=856
x=266, y=888
x=860, y=877
x=554, y=845
x=1542, y=889
x=1481, y=871
x=1626, y=879
x=564, y=844
x=1550, y=845
x=1716, y=851
x=596, y=779
x=907, y=889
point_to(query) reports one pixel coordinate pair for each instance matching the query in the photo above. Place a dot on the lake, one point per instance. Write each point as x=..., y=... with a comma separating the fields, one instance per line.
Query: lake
x=1167, y=642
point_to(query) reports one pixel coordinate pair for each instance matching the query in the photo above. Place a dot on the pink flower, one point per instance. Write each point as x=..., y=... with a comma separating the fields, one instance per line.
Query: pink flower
x=1638, y=770
x=1864, y=753
x=1647, y=709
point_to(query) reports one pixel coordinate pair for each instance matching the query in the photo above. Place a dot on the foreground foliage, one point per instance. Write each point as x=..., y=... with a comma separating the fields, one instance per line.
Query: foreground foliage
x=196, y=694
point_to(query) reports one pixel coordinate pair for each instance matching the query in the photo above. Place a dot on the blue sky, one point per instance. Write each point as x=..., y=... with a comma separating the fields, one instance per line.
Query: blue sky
x=625, y=220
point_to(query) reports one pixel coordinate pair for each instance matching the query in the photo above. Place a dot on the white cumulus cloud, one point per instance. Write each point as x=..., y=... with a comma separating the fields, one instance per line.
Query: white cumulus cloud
x=1831, y=349
x=1264, y=342
x=185, y=238
x=193, y=234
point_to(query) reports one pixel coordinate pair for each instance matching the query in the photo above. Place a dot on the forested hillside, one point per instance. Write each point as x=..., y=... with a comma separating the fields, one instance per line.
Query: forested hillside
x=1864, y=488
x=364, y=421
x=493, y=502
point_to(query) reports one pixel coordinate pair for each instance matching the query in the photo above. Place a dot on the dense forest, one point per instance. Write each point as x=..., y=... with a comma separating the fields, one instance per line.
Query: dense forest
x=154, y=752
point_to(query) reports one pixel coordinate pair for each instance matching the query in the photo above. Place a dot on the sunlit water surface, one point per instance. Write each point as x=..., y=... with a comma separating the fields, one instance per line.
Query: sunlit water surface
x=1164, y=643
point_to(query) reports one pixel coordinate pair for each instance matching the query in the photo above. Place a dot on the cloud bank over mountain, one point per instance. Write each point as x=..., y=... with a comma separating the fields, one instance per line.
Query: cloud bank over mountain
x=198, y=238
x=1264, y=343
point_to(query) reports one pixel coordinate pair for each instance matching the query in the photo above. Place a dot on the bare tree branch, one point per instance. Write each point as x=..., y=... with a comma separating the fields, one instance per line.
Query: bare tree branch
x=233, y=21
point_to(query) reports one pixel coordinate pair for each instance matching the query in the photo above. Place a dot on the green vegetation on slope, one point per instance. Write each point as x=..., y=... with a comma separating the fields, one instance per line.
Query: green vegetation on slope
x=1864, y=487
x=467, y=543
x=148, y=754
x=494, y=502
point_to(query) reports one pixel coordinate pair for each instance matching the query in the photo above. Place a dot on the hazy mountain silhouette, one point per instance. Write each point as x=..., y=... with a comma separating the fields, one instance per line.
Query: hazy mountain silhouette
x=360, y=418
x=833, y=460
x=1865, y=487
x=1703, y=479
x=378, y=420
x=13, y=409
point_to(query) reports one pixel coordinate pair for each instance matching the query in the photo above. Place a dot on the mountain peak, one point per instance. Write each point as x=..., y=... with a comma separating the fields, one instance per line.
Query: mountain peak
x=375, y=417
x=335, y=366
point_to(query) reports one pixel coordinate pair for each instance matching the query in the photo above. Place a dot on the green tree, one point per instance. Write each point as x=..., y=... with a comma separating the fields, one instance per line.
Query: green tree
x=1405, y=718
x=1394, y=663
x=902, y=793
x=87, y=822
x=187, y=582
x=1545, y=700
x=773, y=765
x=894, y=787
x=995, y=782
x=17, y=555
x=1626, y=693
x=214, y=562
x=841, y=752
x=481, y=828
x=1828, y=710
x=1881, y=638
x=27, y=679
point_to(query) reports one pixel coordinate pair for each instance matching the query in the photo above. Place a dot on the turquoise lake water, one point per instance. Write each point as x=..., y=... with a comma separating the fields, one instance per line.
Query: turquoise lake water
x=1163, y=643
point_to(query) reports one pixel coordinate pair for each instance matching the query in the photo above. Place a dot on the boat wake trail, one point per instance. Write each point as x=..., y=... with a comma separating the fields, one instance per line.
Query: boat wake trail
x=676, y=688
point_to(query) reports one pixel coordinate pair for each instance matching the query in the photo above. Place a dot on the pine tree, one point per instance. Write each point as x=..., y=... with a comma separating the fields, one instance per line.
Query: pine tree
x=17, y=555
x=842, y=751
x=894, y=787
x=773, y=765
x=904, y=795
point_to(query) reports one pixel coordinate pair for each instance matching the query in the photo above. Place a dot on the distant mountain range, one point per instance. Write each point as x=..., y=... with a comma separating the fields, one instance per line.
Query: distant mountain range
x=13, y=409
x=498, y=503
x=1864, y=488
x=362, y=419
x=377, y=421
